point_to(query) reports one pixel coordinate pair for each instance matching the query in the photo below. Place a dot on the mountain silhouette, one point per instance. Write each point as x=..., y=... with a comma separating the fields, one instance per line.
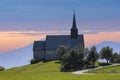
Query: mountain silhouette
x=18, y=57
x=22, y=56
x=114, y=45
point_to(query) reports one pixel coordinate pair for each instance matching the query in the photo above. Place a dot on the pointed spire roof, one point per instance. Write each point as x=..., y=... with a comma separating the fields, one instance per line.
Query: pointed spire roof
x=74, y=22
x=74, y=30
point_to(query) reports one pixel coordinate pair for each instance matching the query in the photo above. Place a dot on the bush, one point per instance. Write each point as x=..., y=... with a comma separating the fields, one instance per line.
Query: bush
x=33, y=61
x=72, y=60
x=115, y=58
x=103, y=64
x=2, y=68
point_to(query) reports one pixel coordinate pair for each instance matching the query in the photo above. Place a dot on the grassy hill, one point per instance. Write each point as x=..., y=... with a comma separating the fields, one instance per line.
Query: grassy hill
x=50, y=71
x=109, y=70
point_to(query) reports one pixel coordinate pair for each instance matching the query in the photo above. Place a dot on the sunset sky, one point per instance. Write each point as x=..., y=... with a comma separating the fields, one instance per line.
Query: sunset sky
x=23, y=21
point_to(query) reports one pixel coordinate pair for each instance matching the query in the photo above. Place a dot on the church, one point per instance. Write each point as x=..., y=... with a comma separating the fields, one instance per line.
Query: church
x=46, y=50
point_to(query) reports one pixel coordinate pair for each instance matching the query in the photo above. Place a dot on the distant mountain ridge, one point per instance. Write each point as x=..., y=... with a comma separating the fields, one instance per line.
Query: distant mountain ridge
x=22, y=56
x=17, y=57
x=114, y=45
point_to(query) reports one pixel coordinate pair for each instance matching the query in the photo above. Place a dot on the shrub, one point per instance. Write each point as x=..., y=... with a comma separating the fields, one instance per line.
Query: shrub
x=103, y=64
x=33, y=61
x=93, y=56
x=72, y=60
x=2, y=68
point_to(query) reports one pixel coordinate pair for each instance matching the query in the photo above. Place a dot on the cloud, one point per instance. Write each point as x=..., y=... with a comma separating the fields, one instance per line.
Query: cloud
x=16, y=39
x=32, y=33
x=53, y=14
x=92, y=39
x=95, y=26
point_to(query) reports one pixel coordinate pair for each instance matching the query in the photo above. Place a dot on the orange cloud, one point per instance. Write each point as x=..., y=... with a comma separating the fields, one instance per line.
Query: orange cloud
x=91, y=39
x=14, y=40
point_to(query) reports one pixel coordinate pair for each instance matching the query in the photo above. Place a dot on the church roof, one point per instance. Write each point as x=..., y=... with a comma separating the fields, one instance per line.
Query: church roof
x=39, y=45
x=54, y=41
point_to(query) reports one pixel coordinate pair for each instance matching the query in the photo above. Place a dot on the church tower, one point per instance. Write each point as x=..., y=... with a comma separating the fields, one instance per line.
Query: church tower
x=74, y=30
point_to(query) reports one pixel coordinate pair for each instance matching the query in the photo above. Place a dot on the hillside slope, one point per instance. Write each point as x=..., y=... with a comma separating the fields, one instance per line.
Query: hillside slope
x=23, y=55
x=49, y=71
x=18, y=57
x=109, y=69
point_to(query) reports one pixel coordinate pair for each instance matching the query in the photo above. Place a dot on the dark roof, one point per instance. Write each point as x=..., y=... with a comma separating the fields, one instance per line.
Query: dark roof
x=54, y=41
x=39, y=45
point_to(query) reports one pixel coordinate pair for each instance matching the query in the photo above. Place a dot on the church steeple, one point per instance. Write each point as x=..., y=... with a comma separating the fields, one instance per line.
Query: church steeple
x=74, y=30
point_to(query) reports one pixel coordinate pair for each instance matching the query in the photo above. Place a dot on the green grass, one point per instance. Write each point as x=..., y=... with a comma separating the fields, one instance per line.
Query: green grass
x=109, y=70
x=50, y=71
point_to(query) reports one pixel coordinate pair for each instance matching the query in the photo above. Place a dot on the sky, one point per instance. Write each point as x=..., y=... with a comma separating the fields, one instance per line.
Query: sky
x=23, y=21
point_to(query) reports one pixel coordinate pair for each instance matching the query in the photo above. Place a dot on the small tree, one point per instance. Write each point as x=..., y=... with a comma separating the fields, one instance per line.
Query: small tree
x=73, y=60
x=80, y=58
x=118, y=59
x=62, y=50
x=106, y=53
x=115, y=58
x=93, y=56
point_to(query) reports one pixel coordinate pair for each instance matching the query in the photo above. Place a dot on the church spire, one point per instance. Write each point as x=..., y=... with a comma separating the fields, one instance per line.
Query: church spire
x=74, y=22
x=74, y=30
